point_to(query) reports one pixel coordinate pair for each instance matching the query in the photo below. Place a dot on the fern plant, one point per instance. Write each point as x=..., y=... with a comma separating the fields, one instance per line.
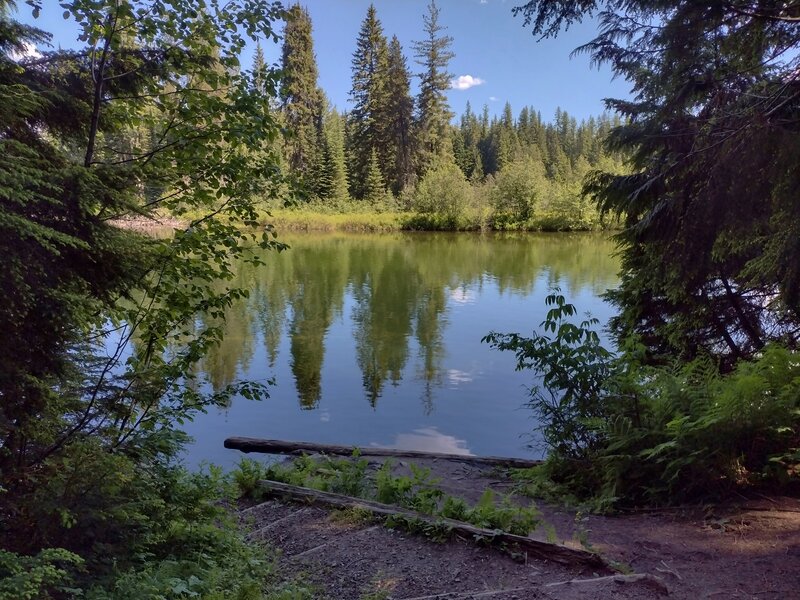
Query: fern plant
x=621, y=431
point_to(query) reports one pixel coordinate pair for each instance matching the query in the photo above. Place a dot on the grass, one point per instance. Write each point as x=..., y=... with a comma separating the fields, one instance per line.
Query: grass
x=312, y=218
x=309, y=220
x=353, y=516
x=419, y=492
x=360, y=218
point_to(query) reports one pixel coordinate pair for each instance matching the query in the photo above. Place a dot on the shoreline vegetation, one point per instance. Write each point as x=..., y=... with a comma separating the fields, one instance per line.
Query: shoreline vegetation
x=366, y=220
x=394, y=161
x=153, y=112
x=311, y=219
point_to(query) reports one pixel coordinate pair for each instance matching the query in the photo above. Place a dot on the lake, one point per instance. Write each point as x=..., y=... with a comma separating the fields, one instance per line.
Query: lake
x=375, y=340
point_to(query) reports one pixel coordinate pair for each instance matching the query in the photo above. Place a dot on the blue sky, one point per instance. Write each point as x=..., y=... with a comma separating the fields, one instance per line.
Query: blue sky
x=490, y=45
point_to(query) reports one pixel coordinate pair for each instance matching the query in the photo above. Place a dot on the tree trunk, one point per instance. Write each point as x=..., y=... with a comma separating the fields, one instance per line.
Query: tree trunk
x=533, y=548
x=298, y=448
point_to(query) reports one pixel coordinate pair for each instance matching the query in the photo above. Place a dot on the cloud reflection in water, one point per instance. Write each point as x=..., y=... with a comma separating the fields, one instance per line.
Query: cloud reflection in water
x=429, y=439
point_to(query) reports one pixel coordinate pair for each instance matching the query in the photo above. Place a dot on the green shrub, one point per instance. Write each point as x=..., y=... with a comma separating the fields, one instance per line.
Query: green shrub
x=518, y=188
x=622, y=432
x=434, y=222
x=121, y=528
x=45, y=575
x=246, y=476
x=418, y=492
x=443, y=191
x=340, y=476
x=505, y=516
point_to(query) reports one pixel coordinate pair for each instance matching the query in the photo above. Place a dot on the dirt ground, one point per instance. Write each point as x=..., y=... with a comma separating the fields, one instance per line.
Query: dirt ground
x=149, y=225
x=749, y=550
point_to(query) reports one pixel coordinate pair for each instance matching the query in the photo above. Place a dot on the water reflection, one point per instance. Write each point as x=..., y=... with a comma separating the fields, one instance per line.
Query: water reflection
x=429, y=439
x=455, y=377
x=398, y=293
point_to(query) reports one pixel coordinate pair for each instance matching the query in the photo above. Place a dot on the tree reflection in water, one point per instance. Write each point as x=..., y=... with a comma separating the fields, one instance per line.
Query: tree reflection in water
x=397, y=291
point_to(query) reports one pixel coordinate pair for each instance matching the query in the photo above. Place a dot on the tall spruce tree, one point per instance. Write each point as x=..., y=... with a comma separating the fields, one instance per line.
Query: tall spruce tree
x=400, y=113
x=470, y=158
x=320, y=174
x=301, y=100
x=369, y=131
x=259, y=68
x=335, y=163
x=504, y=138
x=374, y=185
x=433, y=112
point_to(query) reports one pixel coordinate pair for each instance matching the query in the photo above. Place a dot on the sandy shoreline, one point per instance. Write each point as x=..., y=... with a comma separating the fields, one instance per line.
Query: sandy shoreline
x=139, y=223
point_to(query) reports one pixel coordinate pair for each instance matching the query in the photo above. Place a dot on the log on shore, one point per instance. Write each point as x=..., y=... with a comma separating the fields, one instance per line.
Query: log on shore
x=297, y=448
x=533, y=548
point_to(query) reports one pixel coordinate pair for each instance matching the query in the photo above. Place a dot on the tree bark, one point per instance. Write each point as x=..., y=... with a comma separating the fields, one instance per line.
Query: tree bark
x=533, y=548
x=298, y=448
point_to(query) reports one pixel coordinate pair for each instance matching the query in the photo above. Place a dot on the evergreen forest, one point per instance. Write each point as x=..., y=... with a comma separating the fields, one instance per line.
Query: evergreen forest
x=392, y=152
x=103, y=330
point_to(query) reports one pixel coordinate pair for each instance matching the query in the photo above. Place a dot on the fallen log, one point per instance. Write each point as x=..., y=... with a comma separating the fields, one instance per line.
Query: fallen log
x=650, y=580
x=297, y=448
x=533, y=548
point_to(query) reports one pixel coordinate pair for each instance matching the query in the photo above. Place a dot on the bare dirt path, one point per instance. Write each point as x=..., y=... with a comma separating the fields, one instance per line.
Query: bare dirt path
x=736, y=552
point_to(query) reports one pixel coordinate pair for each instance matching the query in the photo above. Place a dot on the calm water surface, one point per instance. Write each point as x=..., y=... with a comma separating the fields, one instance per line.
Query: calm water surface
x=376, y=339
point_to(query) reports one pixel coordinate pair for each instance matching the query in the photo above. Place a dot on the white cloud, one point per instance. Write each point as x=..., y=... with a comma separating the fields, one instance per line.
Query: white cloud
x=492, y=98
x=464, y=82
x=30, y=51
x=484, y=1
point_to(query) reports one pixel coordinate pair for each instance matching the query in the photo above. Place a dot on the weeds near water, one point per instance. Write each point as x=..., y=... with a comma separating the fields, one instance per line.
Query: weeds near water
x=354, y=515
x=436, y=532
x=550, y=532
x=246, y=476
x=581, y=534
x=342, y=476
x=417, y=491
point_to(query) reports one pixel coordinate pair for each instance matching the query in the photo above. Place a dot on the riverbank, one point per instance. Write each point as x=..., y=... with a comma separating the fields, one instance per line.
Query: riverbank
x=731, y=551
x=301, y=219
x=376, y=221
x=149, y=225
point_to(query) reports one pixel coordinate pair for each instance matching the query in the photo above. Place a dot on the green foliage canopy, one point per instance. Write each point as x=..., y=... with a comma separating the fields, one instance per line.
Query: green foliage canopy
x=621, y=432
x=100, y=334
x=711, y=245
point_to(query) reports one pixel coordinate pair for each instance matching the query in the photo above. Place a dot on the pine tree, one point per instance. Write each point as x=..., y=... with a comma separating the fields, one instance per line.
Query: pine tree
x=505, y=139
x=369, y=131
x=400, y=112
x=336, y=163
x=259, y=69
x=471, y=135
x=477, y=170
x=460, y=151
x=95, y=386
x=374, y=186
x=321, y=173
x=712, y=220
x=301, y=99
x=433, y=117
